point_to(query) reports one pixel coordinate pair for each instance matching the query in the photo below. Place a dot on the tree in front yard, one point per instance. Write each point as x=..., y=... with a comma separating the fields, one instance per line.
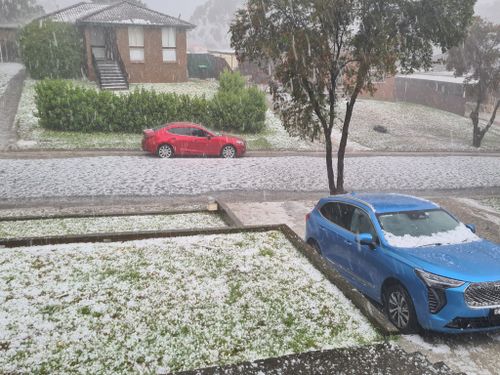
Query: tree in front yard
x=51, y=50
x=318, y=47
x=478, y=59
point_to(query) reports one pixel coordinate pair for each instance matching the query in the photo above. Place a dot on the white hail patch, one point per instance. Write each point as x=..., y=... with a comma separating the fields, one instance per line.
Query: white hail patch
x=167, y=305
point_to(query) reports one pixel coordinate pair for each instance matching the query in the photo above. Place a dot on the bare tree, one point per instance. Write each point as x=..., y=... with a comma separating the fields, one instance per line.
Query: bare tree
x=478, y=59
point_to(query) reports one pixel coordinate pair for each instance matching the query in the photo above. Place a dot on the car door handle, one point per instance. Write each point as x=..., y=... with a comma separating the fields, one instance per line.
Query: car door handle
x=347, y=242
x=173, y=139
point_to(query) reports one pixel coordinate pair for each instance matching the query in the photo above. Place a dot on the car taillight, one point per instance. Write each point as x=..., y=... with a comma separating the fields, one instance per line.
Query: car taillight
x=148, y=133
x=308, y=216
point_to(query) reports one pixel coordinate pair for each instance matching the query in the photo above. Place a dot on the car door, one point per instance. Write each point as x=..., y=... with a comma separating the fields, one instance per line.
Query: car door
x=333, y=235
x=178, y=139
x=367, y=262
x=199, y=142
x=328, y=227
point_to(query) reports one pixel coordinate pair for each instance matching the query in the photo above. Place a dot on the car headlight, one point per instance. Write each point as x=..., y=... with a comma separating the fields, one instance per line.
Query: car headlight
x=435, y=281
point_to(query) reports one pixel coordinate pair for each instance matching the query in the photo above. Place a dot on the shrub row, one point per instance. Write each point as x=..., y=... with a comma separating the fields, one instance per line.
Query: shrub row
x=61, y=105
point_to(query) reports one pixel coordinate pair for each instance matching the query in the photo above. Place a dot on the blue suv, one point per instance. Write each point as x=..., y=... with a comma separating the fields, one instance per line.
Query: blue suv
x=426, y=268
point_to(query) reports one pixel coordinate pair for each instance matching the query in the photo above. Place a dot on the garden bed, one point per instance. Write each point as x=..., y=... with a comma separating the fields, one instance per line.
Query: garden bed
x=43, y=227
x=171, y=304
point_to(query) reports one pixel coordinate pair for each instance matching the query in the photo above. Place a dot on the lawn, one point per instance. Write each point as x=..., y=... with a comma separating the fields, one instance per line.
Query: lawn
x=163, y=305
x=32, y=136
x=413, y=127
x=88, y=225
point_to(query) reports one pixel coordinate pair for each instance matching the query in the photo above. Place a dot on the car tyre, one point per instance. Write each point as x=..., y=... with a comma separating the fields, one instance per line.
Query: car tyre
x=228, y=152
x=165, y=151
x=399, y=309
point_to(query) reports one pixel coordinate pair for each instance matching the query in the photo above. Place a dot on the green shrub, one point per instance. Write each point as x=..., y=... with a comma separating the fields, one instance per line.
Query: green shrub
x=63, y=106
x=51, y=50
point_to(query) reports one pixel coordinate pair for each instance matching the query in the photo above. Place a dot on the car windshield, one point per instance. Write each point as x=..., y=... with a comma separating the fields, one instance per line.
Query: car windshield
x=423, y=228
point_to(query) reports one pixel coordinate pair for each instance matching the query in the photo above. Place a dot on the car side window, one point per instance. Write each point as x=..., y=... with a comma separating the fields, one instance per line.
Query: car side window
x=179, y=131
x=361, y=223
x=345, y=212
x=198, y=133
x=331, y=212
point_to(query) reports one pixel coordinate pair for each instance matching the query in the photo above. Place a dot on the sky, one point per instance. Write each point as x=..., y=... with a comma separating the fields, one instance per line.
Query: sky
x=489, y=9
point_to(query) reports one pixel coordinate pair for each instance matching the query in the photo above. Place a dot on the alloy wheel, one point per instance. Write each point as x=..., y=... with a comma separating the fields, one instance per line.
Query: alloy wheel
x=165, y=151
x=399, y=312
x=228, y=152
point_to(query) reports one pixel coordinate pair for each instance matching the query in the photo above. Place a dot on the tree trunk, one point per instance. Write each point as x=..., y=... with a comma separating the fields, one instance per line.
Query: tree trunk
x=329, y=162
x=476, y=132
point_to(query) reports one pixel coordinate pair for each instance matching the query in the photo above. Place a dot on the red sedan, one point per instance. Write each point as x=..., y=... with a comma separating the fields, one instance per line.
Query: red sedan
x=185, y=138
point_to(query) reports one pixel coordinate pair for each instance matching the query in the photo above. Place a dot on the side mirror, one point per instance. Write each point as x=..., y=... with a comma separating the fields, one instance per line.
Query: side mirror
x=365, y=239
x=472, y=227
x=209, y=137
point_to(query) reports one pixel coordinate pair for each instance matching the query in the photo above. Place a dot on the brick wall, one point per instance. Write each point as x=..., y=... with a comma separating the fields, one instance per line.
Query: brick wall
x=153, y=69
x=448, y=96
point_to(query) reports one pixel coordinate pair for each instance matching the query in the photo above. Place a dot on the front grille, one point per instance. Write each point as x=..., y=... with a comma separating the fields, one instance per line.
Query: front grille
x=481, y=295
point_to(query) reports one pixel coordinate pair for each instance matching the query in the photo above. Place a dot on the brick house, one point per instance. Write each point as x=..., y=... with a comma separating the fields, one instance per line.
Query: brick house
x=126, y=43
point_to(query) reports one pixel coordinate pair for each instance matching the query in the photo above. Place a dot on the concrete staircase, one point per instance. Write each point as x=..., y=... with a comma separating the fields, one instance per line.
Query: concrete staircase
x=110, y=75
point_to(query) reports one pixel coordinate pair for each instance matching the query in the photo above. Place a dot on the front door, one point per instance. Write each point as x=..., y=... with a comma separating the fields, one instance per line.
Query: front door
x=97, y=43
x=102, y=42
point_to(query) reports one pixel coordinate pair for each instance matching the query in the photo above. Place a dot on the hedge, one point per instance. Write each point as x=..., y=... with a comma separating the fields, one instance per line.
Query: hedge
x=51, y=50
x=61, y=105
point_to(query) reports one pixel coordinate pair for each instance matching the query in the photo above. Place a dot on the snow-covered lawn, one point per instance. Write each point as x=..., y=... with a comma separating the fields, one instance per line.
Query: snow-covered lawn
x=413, y=127
x=166, y=305
x=195, y=87
x=87, y=225
x=7, y=72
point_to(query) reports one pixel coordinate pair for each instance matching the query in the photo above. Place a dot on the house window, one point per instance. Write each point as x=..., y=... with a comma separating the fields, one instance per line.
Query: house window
x=168, y=44
x=136, y=43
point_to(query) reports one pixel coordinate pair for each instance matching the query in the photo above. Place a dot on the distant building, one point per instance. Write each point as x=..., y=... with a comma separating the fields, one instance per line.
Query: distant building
x=228, y=55
x=126, y=43
x=439, y=90
x=9, y=47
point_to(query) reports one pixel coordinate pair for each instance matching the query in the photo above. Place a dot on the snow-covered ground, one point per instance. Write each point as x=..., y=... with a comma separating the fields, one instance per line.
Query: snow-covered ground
x=413, y=127
x=164, y=305
x=144, y=175
x=7, y=72
x=195, y=87
x=88, y=225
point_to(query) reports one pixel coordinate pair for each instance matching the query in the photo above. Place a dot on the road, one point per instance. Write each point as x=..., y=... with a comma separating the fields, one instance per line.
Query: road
x=128, y=176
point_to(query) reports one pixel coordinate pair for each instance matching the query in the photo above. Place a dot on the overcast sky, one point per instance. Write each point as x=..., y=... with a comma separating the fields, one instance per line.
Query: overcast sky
x=486, y=8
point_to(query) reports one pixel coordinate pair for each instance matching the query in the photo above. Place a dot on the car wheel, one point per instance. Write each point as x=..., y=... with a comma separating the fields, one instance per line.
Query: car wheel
x=314, y=245
x=165, y=151
x=399, y=309
x=228, y=152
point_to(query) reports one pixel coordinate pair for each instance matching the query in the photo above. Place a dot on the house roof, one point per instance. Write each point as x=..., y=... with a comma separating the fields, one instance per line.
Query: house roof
x=75, y=12
x=122, y=13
